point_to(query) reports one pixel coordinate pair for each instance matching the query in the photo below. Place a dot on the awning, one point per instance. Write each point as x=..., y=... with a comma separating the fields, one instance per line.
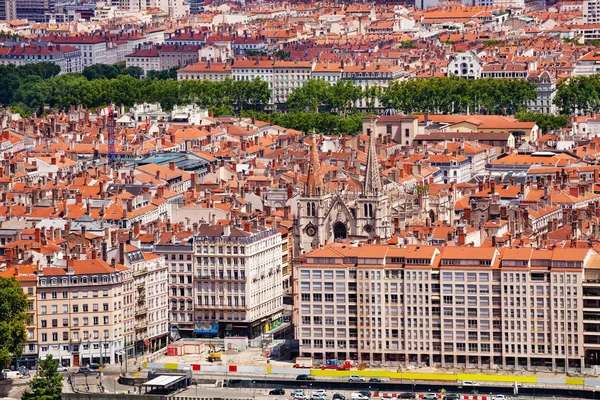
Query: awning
x=164, y=381
x=277, y=316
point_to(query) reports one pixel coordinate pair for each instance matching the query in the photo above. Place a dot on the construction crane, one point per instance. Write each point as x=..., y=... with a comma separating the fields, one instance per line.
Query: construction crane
x=110, y=130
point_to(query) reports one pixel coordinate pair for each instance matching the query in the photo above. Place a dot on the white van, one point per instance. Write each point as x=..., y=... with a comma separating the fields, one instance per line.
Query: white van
x=13, y=375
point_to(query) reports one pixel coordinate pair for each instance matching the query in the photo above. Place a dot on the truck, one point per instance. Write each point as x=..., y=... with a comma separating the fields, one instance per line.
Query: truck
x=336, y=365
x=303, y=362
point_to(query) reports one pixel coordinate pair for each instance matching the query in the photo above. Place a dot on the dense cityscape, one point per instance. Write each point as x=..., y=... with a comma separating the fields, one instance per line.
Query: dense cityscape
x=230, y=197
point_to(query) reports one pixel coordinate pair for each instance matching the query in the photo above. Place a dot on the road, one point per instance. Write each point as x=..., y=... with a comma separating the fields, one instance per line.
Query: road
x=262, y=394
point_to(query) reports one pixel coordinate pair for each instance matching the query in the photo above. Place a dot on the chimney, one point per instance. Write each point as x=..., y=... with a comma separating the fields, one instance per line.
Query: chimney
x=122, y=253
x=104, y=251
x=461, y=237
x=70, y=267
x=37, y=235
x=172, y=166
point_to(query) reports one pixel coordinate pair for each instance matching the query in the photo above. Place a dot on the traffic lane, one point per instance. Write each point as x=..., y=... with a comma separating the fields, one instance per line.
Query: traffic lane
x=411, y=387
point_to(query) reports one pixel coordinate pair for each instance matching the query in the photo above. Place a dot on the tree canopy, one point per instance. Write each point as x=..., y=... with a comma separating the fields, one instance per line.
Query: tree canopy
x=13, y=320
x=74, y=89
x=328, y=123
x=12, y=76
x=456, y=95
x=578, y=95
x=105, y=71
x=546, y=122
x=48, y=383
x=318, y=94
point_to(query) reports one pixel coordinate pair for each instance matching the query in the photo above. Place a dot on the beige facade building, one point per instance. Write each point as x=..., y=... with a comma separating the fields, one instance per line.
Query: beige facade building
x=450, y=306
x=79, y=312
x=150, y=298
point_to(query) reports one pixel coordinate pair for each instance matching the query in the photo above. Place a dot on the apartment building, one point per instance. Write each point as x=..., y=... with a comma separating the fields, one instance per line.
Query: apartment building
x=68, y=58
x=181, y=264
x=79, y=312
x=449, y=306
x=287, y=76
x=238, y=284
x=146, y=59
x=93, y=48
x=150, y=290
x=210, y=71
x=591, y=11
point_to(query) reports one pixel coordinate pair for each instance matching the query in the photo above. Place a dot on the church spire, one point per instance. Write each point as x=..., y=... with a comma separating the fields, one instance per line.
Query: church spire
x=314, y=183
x=372, y=179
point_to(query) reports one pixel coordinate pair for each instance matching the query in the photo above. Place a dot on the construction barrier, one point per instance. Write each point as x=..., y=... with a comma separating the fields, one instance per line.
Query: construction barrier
x=391, y=375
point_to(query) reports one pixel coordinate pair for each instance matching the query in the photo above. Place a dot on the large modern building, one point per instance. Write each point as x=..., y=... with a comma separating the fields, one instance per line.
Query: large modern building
x=449, y=306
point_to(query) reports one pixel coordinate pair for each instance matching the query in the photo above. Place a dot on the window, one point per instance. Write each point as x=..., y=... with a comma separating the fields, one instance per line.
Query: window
x=75, y=308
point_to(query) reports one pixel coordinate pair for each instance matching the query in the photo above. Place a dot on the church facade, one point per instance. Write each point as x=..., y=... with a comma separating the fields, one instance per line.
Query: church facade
x=325, y=216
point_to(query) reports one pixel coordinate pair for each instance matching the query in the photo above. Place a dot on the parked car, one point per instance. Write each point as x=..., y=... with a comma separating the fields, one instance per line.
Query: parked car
x=304, y=378
x=452, y=396
x=375, y=380
x=356, y=378
x=470, y=383
x=338, y=396
x=62, y=368
x=366, y=394
x=95, y=366
x=300, y=397
x=358, y=396
x=407, y=395
x=318, y=396
x=297, y=391
x=321, y=392
x=84, y=370
x=499, y=397
x=430, y=396
x=278, y=392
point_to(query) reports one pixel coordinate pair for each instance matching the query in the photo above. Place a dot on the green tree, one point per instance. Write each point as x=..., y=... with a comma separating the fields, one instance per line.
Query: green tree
x=48, y=383
x=310, y=96
x=164, y=75
x=132, y=71
x=546, y=122
x=13, y=320
x=455, y=95
x=342, y=97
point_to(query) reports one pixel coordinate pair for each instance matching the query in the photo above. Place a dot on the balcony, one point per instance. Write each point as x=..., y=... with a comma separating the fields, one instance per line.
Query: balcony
x=140, y=272
x=141, y=311
x=141, y=325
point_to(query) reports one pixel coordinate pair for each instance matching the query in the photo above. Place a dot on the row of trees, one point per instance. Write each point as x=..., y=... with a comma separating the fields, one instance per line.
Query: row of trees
x=73, y=89
x=324, y=122
x=455, y=95
x=317, y=94
x=579, y=95
x=12, y=76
